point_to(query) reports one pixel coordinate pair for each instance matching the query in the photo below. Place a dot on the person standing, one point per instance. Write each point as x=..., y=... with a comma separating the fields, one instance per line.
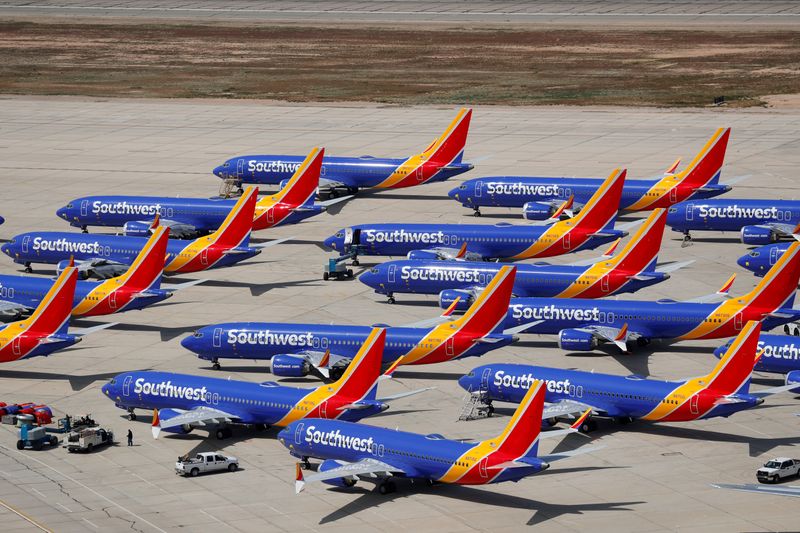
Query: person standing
x=130, y=437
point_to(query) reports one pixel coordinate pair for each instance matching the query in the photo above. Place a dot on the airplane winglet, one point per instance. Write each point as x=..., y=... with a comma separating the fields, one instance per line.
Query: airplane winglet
x=393, y=367
x=723, y=291
x=71, y=261
x=674, y=166
x=566, y=205
x=622, y=337
x=581, y=419
x=449, y=310
x=156, y=428
x=326, y=359
x=612, y=248
x=156, y=222
x=462, y=251
x=299, y=482
x=796, y=232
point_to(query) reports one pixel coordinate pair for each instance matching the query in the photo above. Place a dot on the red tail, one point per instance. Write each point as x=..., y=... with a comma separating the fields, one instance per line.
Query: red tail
x=488, y=313
x=642, y=249
x=236, y=227
x=149, y=264
x=601, y=209
x=521, y=435
x=450, y=146
x=52, y=313
x=305, y=181
x=778, y=286
x=735, y=367
x=708, y=162
x=364, y=370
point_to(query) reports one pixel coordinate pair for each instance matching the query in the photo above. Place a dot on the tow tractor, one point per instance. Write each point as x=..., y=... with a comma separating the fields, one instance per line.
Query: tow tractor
x=337, y=269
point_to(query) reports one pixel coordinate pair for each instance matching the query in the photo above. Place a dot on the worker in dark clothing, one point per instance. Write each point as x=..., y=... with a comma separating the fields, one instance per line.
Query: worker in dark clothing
x=130, y=438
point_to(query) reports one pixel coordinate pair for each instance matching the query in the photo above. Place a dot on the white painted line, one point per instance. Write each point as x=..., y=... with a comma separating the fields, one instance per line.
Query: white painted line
x=91, y=524
x=212, y=517
x=67, y=509
x=37, y=491
x=25, y=517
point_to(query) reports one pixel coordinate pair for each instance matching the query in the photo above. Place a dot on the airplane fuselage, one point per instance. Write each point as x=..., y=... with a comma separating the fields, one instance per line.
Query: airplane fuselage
x=731, y=214
x=781, y=353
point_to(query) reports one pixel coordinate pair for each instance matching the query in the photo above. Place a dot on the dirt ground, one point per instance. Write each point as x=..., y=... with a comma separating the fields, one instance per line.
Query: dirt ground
x=386, y=64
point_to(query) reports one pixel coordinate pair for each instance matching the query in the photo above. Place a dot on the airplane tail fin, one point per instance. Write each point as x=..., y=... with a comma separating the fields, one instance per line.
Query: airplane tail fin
x=600, y=212
x=777, y=288
x=145, y=272
x=449, y=147
x=641, y=252
x=52, y=313
x=302, y=187
x=362, y=374
x=488, y=311
x=733, y=371
x=235, y=229
x=520, y=438
x=706, y=166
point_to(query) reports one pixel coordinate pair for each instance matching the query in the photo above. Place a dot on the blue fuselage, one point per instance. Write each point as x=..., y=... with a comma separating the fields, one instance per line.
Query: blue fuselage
x=53, y=247
x=615, y=396
x=252, y=403
x=516, y=191
x=781, y=353
x=426, y=276
x=352, y=172
x=759, y=260
x=731, y=214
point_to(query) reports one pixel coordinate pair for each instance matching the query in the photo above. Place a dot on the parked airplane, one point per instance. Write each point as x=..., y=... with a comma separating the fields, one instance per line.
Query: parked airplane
x=583, y=324
x=182, y=402
x=760, y=259
x=192, y=217
x=357, y=451
x=440, y=161
x=46, y=330
x=298, y=349
x=137, y=288
x=757, y=221
x=780, y=354
x=628, y=271
x=540, y=197
x=722, y=392
x=592, y=227
x=105, y=256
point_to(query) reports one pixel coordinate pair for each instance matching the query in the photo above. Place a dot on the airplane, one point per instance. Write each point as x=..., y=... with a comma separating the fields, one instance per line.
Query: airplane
x=46, y=330
x=592, y=227
x=440, y=161
x=722, y=392
x=540, y=197
x=581, y=324
x=182, y=402
x=137, y=288
x=628, y=271
x=295, y=350
x=192, y=217
x=757, y=221
x=780, y=354
x=105, y=256
x=357, y=451
x=761, y=258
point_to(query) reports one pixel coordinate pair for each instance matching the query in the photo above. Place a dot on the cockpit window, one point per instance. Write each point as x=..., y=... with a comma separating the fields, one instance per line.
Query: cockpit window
x=754, y=254
x=339, y=235
x=227, y=164
x=69, y=206
x=463, y=187
x=113, y=381
x=197, y=334
x=673, y=210
x=471, y=374
x=373, y=270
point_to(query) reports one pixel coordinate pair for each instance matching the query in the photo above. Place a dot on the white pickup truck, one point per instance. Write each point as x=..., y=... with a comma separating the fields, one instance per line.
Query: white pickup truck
x=779, y=468
x=205, y=462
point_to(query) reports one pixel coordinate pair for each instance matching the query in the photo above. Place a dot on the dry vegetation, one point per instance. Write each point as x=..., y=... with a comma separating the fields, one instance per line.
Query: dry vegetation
x=388, y=64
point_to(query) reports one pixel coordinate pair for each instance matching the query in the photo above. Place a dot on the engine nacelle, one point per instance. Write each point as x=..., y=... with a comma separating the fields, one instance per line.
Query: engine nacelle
x=537, y=210
x=576, y=340
x=61, y=265
x=344, y=482
x=758, y=235
x=792, y=378
x=289, y=366
x=166, y=414
x=136, y=228
x=448, y=296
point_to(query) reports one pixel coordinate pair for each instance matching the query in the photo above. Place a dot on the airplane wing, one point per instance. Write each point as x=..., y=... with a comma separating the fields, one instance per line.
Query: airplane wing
x=262, y=245
x=100, y=268
x=12, y=309
x=387, y=399
x=784, y=230
x=199, y=416
x=330, y=202
x=792, y=491
x=718, y=296
x=619, y=336
x=763, y=393
x=179, y=230
x=325, y=183
x=566, y=408
x=566, y=455
x=446, y=316
x=365, y=467
x=666, y=268
x=522, y=327
x=605, y=257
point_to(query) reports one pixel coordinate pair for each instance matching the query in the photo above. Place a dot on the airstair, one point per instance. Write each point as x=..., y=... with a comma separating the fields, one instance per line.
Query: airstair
x=475, y=406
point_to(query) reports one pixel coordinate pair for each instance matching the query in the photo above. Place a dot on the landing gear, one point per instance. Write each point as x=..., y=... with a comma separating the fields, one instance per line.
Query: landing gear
x=28, y=269
x=687, y=239
x=215, y=364
x=223, y=433
x=642, y=342
x=791, y=329
x=84, y=229
x=387, y=487
x=391, y=299
x=477, y=211
x=489, y=409
x=131, y=415
x=355, y=262
x=305, y=464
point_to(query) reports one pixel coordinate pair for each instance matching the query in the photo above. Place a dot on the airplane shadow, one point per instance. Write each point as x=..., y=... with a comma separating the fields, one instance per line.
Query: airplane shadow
x=76, y=382
x=517, y=217
x=167, y=334
x=257, y=289
x=318, y=244
x=733, y=238
x=442, y=376
x=384, y=196
x=543, y=511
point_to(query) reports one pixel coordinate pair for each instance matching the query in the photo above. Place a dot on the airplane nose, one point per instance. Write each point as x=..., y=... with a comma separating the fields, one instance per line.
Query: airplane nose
x=330, y=242
x=219, y=171
x=62, y=213
x=284, y=435
x=106, y=389
x=369, y=279
x=674, y=216
x=453, y=193
x=465, y=382
x=744, y=262
x=6, y=249
x=191, y=343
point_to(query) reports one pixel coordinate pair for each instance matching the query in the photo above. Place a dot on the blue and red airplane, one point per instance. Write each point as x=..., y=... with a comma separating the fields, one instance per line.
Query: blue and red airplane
x=592, y=227
x=722, y=392
x=137, y=288
x=350, y=452
x=541, y=197
x=105, y=256
x=192, y=217
x=47, y=329
x=298, y=349
x=780, y=354
x=440, y=161
x=631, y=269
x=182, y=402
x=757, y=221
x=583, y=324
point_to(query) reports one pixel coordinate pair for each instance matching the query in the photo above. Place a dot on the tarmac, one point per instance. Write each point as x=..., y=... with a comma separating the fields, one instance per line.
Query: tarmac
x=646, y=478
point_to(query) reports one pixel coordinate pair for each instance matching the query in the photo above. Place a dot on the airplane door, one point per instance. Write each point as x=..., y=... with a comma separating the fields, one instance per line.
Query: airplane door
x=348, y=236
x=84, y=208
x=204, y=257
x=478, y=189
x=16, y=346
x=270, y=215
x=673, y=195
x=217, y=337
x=566, y=241
x=737, y=321
x=420, y=173
x=693, y=404
x=25, y=241
x=126, y=386
x=298, y=433
x=604, y=283
x=773, y=255
x=485, y=379
x=482, y=467
x=323, y=409
x=240, y=168
x=112, y=299
x=450, y=350
x=392, y=269
x=689, y=211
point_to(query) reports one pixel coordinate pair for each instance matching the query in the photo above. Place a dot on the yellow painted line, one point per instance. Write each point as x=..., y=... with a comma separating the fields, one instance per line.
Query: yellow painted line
x=26, y=517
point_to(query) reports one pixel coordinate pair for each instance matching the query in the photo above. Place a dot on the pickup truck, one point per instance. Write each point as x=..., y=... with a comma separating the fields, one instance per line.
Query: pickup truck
x=87, y=440
x=205, y=462
x=779, y=468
